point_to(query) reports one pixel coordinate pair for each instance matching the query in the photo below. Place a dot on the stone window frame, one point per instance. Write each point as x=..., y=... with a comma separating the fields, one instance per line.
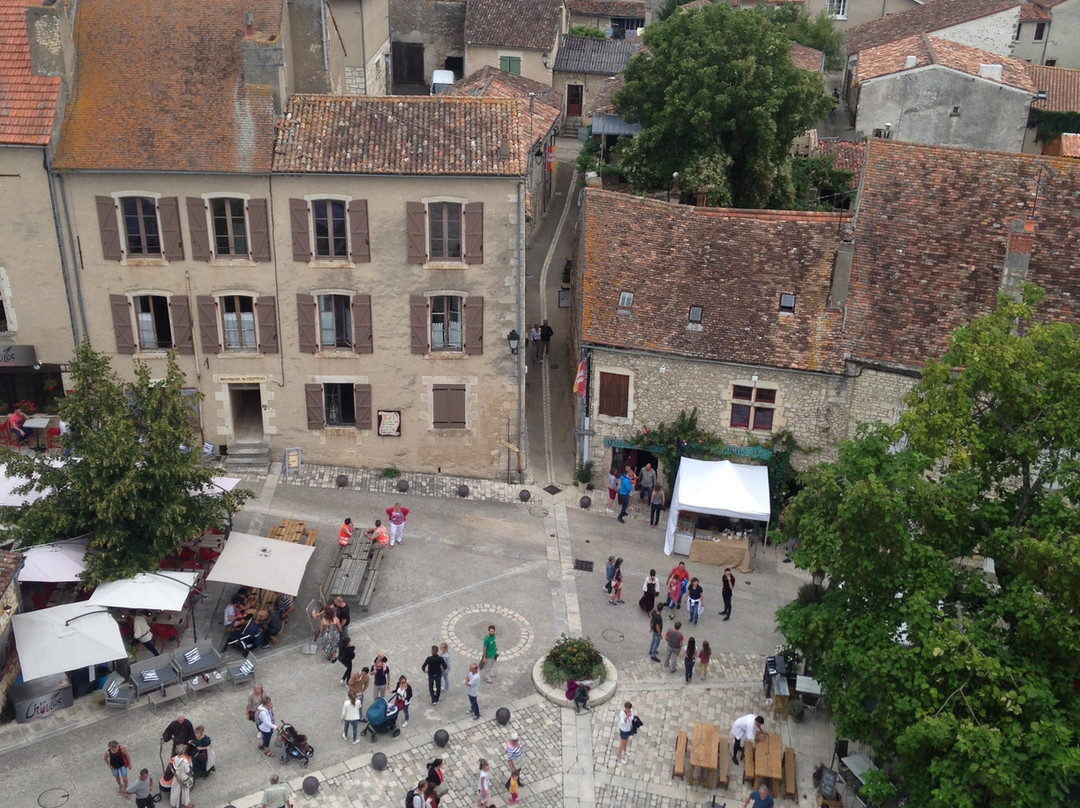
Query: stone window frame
x=763, y=400
x=631, y=402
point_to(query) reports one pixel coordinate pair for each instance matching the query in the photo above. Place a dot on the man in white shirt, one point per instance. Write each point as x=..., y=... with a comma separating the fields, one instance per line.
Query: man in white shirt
x=746, y=728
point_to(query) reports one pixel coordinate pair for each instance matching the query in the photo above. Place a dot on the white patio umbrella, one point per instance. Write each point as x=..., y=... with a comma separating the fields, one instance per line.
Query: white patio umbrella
x=150, y=591
x=9, y=482
x=221, y=485
x=63, y=638
x=261, y=562
x=53, y=563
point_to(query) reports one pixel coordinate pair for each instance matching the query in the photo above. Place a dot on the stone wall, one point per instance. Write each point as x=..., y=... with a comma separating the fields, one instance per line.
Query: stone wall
x=876, y=395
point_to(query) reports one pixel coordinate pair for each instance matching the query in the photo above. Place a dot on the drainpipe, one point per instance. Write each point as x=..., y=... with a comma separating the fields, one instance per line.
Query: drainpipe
x=520, y=318
x=60, y=243
x=363, y=50
x=75, y=257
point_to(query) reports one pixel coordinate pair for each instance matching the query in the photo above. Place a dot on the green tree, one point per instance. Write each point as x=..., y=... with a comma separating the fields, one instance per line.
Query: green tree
x=587, y=31
x=716, y=90
x=138, y=488
x=965, y=681
x=819, y=184
x=818, y=32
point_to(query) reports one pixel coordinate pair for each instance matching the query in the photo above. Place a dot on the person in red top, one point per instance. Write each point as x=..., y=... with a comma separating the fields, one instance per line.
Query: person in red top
x=15, y=423
x=678, y=573
x=344, y=535
x=396, y=515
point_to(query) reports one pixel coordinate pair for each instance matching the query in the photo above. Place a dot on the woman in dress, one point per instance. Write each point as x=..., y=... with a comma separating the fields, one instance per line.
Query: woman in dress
x=183, y=779
x=328, y=634
x=616, y=584
x=203, y=760
x=403, y=697
x=650, y=590
x=688, y=657
x=483, y=786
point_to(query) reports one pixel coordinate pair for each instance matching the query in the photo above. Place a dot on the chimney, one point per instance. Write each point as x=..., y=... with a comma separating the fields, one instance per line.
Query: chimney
x=1021, y=242
x=992, y=72
x=264, y=61
x=910, y=62
x=52, y=48
x=673, y=194
x=841, y=275
x=702, y=195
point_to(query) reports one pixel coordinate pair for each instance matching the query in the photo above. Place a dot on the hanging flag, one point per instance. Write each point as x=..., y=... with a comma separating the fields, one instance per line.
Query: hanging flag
x=579, y=382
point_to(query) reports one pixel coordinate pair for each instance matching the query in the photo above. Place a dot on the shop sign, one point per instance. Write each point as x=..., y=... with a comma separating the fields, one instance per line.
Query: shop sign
x=241, y=378
x=18, y=356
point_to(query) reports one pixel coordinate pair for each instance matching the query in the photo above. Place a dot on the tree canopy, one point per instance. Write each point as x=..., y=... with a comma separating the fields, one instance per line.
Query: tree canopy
x=720, y=101
x=137, y=487
x=965, y=682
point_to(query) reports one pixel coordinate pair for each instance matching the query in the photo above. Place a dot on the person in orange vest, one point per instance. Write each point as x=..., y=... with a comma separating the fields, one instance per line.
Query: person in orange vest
x=378, y=533
x=344, y=535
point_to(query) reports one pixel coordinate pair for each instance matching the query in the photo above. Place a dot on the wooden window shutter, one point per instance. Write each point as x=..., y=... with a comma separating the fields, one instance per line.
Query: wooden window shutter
x=183, y=338
x=305, y=321
x=418, y=324
x=474, y=325
x=362, y=404
x=358, y=227
x=448, y=406
x=474, y=233
x=266, y=313
x=199, y=230
x=208, y=325
x=110, y=228
x=313, y=401
x=121, y=318
x=172, y=241
x=416, y=232
x=258, y=230
x=298, y=221
x=361, y=319
x=614, y=395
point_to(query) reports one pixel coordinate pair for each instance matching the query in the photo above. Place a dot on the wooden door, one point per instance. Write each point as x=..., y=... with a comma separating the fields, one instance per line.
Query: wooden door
x=574, y=94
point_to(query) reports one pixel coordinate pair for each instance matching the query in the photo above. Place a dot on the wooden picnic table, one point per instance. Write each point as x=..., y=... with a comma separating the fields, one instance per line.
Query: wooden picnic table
x=768, y=761
x=346, y=578
x=704, y=746
x=291, y=530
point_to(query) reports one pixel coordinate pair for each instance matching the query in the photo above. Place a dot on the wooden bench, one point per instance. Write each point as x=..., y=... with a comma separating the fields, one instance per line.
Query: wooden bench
x=748, y=763
x=367, y=592
x=789, y=773
x=678, y=769
x=723, y=764
x=311, y=536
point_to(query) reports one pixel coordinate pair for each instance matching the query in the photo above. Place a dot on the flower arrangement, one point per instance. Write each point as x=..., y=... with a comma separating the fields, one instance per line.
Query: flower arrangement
x=27, y=406
x=573, y=658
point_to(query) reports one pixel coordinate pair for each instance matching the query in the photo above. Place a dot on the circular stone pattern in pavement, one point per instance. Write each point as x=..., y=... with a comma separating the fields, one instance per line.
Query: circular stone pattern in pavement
x=465, y=629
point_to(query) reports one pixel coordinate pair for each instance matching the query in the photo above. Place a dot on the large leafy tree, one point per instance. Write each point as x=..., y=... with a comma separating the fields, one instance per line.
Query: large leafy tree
x=720, y=101
x=966, y=683
x=137, y=488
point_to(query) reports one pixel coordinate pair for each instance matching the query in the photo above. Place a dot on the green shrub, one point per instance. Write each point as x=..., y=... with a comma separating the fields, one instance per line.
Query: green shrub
x=573, y=658
x=390, y=473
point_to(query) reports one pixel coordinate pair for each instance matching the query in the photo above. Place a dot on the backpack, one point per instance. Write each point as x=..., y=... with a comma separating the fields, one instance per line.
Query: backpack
x=409, y=798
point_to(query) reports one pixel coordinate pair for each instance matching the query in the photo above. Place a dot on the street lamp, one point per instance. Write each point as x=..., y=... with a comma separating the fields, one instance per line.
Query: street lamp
x=515, y=340
x=818, y=578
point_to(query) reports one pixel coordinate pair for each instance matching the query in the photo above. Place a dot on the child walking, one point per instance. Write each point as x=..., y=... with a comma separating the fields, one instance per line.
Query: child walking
x=703, y=659
x=513, y=788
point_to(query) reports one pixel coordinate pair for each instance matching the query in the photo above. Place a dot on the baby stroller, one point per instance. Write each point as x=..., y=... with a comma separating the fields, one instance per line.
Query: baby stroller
x=294, y=745
x=381, y=718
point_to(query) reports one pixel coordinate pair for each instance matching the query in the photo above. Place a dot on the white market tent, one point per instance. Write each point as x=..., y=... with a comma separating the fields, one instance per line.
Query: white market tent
x=721, y=488
x=261, y=562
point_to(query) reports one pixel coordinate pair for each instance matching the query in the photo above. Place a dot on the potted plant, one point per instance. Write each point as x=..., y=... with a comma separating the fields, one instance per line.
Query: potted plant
x=583, y=475
x=797, y=710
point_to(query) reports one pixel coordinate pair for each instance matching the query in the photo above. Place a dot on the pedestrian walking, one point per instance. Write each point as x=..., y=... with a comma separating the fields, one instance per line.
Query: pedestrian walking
x=141, y=789
x=396, y=517
x=546, y=333
x=616, y=584
x=626, y=729
x=512, y=786
x=648, y=482
x=490, y=656
x=656, y=630
x=436, y=779
x=417, y=796
x=612, y=489
x=534, y=335
x=177, y=732
x=688, y=657
x=254, y=700
x=345, y=655
x=626, y=487
x=403, y=698
x=727, y=588
x=472, y=689
x=444, y=652
x=358, y=685
x=118, y=761
x=264, y=721
x=183, y=778
x=143, y=634
x=380, y=674
x=656, y=506
x=513, y=757
x=674, y=639
x=746, y=728
x=649, y=591
x=483, y=785
x=341, y=616
x=203, y=758
x=704, y=655
x=278, y=795
x=676, y=584
x=434, y=666
x=344, y=535
x=693, y=600
x=350, y=716
x=609, y=571
x=762, y=798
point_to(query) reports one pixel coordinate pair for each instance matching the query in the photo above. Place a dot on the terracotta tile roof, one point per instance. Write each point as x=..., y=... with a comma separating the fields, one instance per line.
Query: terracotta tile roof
x=1032, y=12
x=733, y=263
x=1062, y=88
x=632, y=9
x=926, y=19
x=410, y=135
x=601, y=100
x=847, y=154
x=586, y=54
x=807, y=58
x=532, y=24
x=1070, y=145
x=160, y=86
x=931, y=234
x=890, y=58
x=490, y=82
x=9, y=564
x=27, y=102
x=695, y=5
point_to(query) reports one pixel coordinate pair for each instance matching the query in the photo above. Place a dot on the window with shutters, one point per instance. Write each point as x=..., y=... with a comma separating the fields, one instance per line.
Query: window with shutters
x=752, y=407
x=152, y=318
x=335, y=321
x=339, y=405
x=446, y=323
x=510, y=64
x=444, y=231
x=614, y=395
x=238, y=322
x=142, y=235
x=328, y=224
x=330, y=230
x=448, y=406
x=227, y=215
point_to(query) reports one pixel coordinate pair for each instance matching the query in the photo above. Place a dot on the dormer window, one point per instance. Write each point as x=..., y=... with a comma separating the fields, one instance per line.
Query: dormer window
x=695, y=315
x=626, y=300
x=787, y=303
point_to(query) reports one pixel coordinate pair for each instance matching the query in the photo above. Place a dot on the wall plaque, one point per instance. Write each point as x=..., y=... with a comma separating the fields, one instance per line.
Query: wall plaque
x=390, y=423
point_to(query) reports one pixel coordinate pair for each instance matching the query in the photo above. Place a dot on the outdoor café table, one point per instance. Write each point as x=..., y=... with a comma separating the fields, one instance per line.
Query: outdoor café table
x=38, y=423
x=704, y=748
x=768, y=763
x=858, y=765
x=804, y=684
